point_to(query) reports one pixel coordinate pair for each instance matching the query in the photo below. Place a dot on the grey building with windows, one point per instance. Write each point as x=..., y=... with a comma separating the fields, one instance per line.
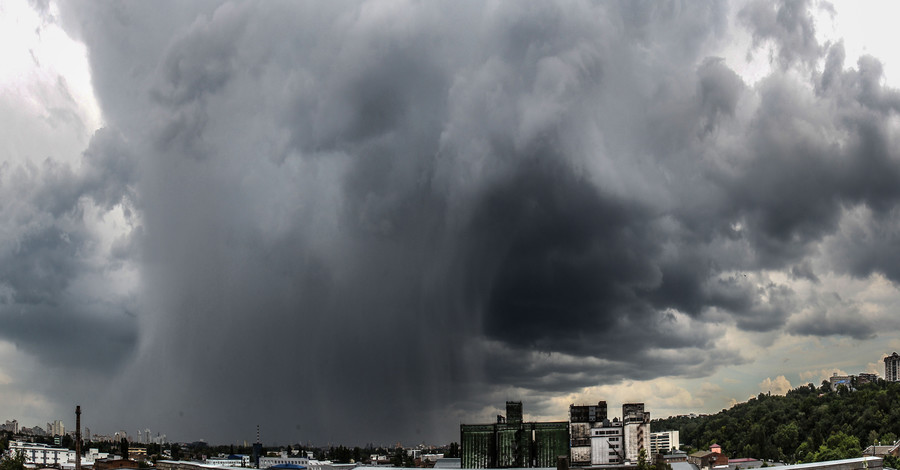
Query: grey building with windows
x=892, y=368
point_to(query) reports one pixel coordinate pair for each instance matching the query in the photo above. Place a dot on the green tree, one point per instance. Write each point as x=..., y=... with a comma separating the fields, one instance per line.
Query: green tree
x=642, y=460
x=794, y=426
x=786, y=437
x=176, y=452
x=13, y=462
x=838, y=446
x=397, y=458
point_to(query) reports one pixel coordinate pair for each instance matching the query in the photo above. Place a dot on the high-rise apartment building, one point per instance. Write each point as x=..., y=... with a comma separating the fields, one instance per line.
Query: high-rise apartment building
x=663, y=442
x=57, y=428
x=892, y=368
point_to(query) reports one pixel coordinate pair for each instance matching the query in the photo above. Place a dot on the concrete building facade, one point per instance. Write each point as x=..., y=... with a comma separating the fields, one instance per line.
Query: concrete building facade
x=607, y=444
x=582, y=418
x=636, y=430
x=663, y=442
x=892, y=367
x=42, y=454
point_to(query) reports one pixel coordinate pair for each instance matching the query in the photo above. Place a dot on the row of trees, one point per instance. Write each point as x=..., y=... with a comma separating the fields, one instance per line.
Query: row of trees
x=398, y=456
x=808, y=424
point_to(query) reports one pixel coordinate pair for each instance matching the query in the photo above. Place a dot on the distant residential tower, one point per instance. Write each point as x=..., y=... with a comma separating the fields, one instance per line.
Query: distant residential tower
x=892, y=368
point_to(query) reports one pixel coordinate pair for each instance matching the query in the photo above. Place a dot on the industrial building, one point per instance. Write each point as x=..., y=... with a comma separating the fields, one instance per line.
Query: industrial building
x=582, y=418
x=892, y=367
x=513, y=443
x=608, y=443
x=636, y=430
x=596, y=440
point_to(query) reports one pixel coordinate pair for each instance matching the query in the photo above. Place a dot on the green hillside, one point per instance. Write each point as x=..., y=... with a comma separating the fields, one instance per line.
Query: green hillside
x=808, y=424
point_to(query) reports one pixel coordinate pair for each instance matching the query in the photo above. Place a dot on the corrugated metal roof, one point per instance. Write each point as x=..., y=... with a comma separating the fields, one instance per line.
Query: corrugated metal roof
x=448, y=462
x=828, y=463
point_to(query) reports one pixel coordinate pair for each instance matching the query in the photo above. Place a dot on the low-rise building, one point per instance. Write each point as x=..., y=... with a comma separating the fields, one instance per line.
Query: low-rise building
x=744, y=463
x=865, y=378
x=861, y=463
x=240, y=461
x=42, y=454
x=837, y=380
x=882, y=451
x=285, y=459
x=675, y=457
x=115, y=464
x=709, y=459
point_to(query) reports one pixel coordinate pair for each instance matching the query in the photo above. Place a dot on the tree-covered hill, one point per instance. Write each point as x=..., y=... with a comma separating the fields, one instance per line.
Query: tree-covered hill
x=807, y=424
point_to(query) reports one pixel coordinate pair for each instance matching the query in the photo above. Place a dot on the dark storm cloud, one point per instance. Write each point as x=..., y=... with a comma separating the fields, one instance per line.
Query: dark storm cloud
x=865, y=245
x=804, y=271
x=831, y=315
x=407, y=209
x=565, y=258
x=45, y=261
x=788, y=24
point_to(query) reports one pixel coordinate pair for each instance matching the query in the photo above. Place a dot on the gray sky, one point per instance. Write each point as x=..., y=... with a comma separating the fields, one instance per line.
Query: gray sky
x=368, y=222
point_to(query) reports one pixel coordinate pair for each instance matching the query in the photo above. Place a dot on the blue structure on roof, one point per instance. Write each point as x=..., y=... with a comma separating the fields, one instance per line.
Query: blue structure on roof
x=288, y=466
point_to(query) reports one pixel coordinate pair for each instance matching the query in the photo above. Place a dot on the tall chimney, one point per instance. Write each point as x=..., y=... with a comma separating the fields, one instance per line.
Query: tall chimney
x=77, y=437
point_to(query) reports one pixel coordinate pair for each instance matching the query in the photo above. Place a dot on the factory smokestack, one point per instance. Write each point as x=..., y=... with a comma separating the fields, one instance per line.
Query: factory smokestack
x=77, y=437
x=257, y=449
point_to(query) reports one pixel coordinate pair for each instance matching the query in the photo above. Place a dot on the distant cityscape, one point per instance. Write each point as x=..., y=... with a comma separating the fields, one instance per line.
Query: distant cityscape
x=587, y=439
x=58, y=429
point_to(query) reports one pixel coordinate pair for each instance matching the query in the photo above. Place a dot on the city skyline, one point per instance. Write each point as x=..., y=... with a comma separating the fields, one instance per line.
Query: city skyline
x=350, y=220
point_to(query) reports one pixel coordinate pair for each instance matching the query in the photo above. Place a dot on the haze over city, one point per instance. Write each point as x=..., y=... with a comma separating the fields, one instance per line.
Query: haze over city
x=354, y=222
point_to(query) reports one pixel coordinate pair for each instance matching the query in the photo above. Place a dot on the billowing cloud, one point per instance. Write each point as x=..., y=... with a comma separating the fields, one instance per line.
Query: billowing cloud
x=418, y=211
x=779, y=386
